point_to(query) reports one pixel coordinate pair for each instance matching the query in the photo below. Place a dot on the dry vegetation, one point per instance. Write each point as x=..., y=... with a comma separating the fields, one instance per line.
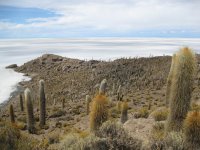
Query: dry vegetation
x=124, y=104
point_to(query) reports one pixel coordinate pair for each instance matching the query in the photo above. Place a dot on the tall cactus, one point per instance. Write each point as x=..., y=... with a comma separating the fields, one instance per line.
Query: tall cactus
x=29, y=111
x=169, y=81
x=21, y=102
x=99, y=112
x=124, y=112
x=182, y=86
x=12, y=115
x=88, y=100
x=42, y=103
x=103, y=86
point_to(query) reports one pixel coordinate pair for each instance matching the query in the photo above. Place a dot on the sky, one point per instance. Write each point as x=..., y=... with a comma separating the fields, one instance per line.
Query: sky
x=99, y=18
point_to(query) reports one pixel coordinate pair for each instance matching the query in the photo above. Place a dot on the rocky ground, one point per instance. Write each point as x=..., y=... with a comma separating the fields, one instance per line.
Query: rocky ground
x=143, y=82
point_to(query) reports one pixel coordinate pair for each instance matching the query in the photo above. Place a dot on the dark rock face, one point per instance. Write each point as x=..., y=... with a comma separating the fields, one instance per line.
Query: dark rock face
x=11, y=66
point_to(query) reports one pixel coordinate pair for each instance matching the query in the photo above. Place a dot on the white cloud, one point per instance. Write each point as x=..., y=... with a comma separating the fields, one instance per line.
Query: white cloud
x=113, y=15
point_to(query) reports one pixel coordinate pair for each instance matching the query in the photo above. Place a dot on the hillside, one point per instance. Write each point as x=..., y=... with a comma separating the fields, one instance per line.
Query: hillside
x=68, y=81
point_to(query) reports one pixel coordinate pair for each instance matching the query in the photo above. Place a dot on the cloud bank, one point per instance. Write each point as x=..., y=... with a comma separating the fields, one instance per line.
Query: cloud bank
x=106, y=18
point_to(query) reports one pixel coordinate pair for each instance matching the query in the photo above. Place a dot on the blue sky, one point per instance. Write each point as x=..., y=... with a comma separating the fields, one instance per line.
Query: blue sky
x=99, y=18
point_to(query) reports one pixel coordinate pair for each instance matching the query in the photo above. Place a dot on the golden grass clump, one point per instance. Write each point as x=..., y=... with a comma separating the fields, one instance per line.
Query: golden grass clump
x=181, y=88
x=160, y=115
x=142, y=113
x=192, y=130
x=99, y=111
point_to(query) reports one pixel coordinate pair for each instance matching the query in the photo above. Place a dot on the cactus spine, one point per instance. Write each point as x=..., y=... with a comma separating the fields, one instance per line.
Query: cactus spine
x=192, y=131
x=12, y=115
x=103, y=85
x=124, y=113
x=21, y=102
x=42, y=103
x=182, y=86
x=29, y=111
x=99, y=112
x=88, y=104
x=169, y=80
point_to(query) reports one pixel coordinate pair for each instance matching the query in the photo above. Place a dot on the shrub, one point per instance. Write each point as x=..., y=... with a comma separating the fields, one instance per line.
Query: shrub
x=157, y=137
x=161, y=114
x=109, y=136
x=117, y=137
x=142, y=113
x=174, y=140
x=8, y=136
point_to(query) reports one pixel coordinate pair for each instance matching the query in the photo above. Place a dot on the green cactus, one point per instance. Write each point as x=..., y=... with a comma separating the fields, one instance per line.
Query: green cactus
x=181, y=88
x=29, y=111
x=169, y=80
x=12, y=115
x=21, y=102
x=42, y=103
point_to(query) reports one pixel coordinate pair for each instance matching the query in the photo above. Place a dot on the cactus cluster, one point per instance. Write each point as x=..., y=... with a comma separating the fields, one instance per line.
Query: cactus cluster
x=181, y=88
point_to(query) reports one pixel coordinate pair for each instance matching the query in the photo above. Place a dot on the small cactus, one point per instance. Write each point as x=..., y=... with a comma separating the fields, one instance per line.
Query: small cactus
x=149, y=104
x=124, y=112
x=113, y=90
x=29, y=111
x=21, y=102
x=99, y=112
x=42, y=103
x=119, y=93
x=12, y=115
x=181, y=88
x=54, y=102
x=88, y=100
x=192, y=131
x=103, y=85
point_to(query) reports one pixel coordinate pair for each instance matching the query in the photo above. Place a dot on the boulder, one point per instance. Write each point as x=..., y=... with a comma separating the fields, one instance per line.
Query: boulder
x=11, y=66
